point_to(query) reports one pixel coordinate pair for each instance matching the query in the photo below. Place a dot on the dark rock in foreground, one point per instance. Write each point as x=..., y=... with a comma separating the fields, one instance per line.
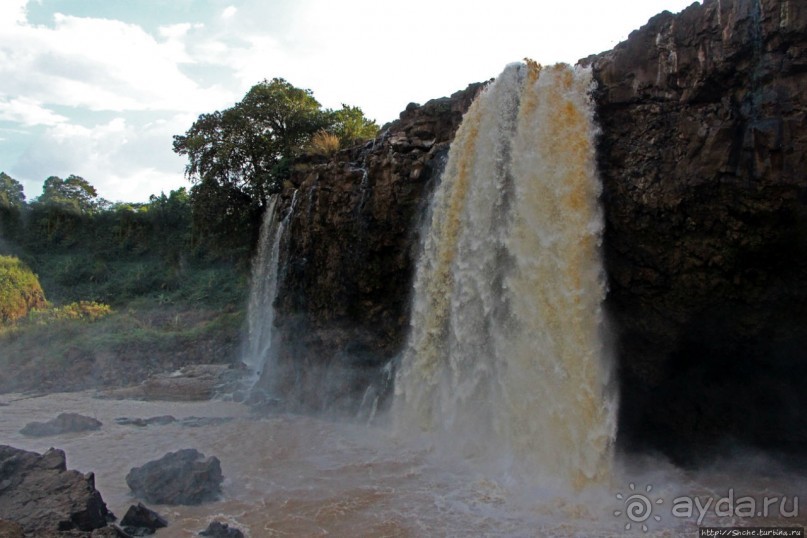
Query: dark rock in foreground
x=141, y=521
x=64, y=423
x=40, y=494
x=221, y=530
x=182, y=477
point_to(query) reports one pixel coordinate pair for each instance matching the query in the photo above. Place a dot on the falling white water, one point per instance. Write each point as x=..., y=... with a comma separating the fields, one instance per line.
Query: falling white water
x=265, y=269
x=505, y=354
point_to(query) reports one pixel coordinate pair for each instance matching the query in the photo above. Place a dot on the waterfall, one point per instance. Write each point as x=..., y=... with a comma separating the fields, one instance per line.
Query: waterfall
x=265, y=271
x=505, y=354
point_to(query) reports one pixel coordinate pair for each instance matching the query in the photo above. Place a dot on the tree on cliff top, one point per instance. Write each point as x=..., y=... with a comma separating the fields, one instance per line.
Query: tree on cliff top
x=246, y=146
x=350, y=125
x=249, y=146
x=238, y=156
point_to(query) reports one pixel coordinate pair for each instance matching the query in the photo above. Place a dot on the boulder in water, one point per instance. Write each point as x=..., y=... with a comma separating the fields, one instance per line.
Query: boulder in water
x=141, y=521
x=217, y=529
x=64, y=423
x=182, y=477
x=38, y=493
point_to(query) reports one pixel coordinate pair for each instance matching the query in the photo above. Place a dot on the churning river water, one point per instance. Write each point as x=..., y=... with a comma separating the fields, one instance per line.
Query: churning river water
x=292, y=475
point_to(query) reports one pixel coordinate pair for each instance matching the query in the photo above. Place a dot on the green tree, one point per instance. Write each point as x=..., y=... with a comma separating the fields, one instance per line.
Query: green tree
x=72, y=195
x=12, y=207
x=238, y=156
x=248, y=146
x=351, y=126
x=12, y=194
x=60, y=210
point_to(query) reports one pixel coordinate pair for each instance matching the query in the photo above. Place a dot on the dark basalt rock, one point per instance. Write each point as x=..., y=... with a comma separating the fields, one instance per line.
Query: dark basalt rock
x=182, y=477
x=64, y=423
x=342, y=307
x=141, y=521
x=221, y=530
x=38, y=493
x=703, y=156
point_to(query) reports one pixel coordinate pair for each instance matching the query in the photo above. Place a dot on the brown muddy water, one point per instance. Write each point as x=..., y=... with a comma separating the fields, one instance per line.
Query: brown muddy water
x=290, y=475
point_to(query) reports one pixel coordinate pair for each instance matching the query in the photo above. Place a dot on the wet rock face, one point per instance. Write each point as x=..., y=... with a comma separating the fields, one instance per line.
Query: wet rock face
x=142, y=521
x=181, y=477
x=217, y=529
x=703, y=156
x=38, y=493
x=342, y=310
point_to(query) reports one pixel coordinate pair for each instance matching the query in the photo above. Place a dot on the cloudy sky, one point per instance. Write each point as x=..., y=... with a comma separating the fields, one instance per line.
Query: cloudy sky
x=98, y=88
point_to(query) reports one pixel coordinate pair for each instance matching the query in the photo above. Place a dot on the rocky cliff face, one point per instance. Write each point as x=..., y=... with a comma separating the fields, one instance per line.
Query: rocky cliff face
x=350, y=249
x=703, y=157
x=38, y=493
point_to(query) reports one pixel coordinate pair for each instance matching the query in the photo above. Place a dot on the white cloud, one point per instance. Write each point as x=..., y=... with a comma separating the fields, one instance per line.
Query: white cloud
x=123, y=160
x=376, y=55
x=12, y=12
x=28, y=112
x=102, y=64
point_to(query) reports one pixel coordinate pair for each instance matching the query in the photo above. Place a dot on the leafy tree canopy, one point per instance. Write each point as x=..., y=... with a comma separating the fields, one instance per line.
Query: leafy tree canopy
x=11, y=192
x=350, y=125
x=244, y=146
x=238, y=156
x=73, y=195
x=249, y=146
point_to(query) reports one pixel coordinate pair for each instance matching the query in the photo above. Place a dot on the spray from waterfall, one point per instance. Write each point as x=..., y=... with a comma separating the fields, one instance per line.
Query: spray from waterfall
x=505, y=354
x=265, y=271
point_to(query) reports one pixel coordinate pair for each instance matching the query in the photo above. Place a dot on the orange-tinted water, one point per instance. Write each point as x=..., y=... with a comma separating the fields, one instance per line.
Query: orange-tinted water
x=301, y=476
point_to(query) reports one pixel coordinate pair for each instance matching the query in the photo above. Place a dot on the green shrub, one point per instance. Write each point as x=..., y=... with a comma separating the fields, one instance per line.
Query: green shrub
x=81, y=310
x=20, y=291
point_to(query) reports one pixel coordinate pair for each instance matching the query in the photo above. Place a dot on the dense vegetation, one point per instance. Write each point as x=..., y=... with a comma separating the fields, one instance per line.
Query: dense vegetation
x=132, y=290
x=237, y=157
x=20, y=291
x=142, y=287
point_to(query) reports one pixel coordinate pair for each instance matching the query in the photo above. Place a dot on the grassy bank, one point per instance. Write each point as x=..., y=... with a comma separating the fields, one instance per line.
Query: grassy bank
x=121, y=348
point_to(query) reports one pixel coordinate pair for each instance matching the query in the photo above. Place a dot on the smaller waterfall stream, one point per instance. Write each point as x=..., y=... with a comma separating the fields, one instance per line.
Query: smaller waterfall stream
x=265, y=272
